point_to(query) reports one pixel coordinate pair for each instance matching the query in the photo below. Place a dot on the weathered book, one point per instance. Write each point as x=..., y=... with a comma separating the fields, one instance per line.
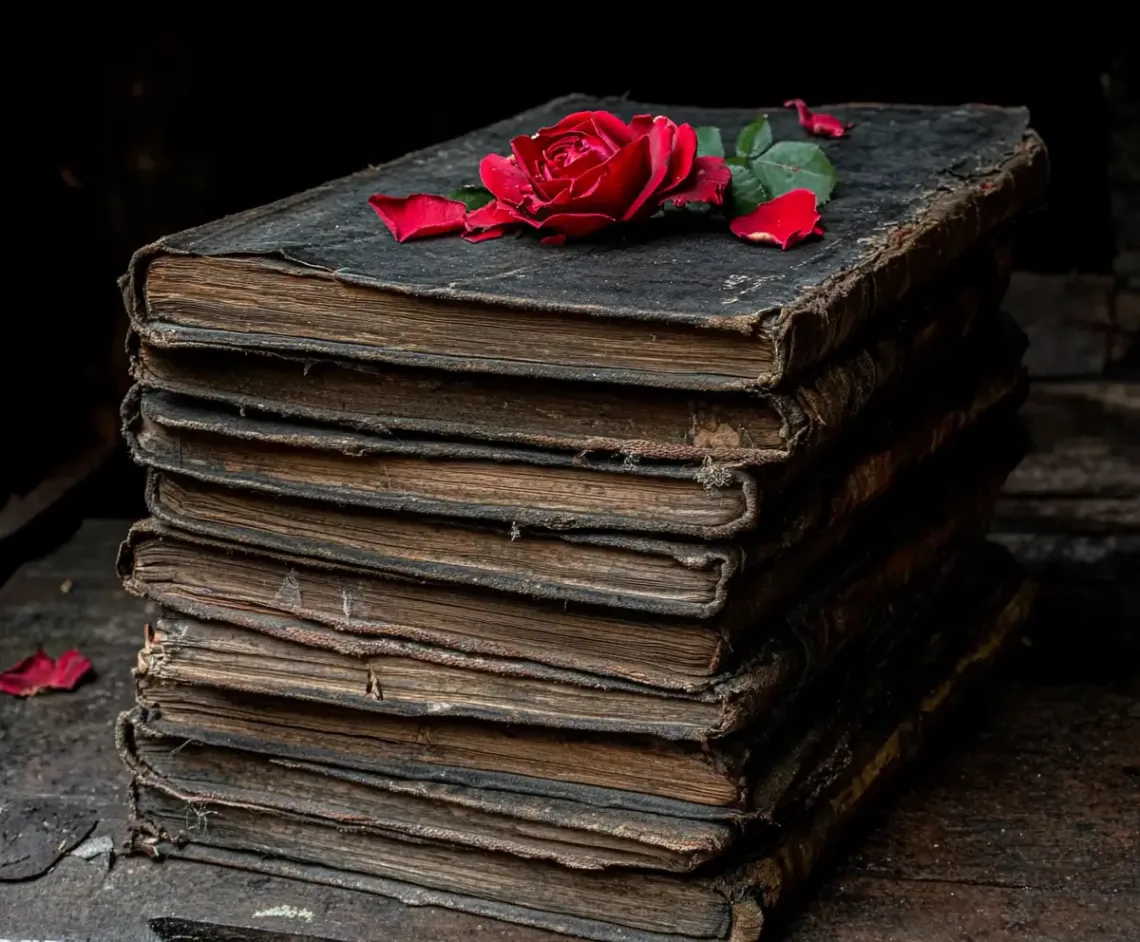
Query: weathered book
x=730, y=899
x=620, y=570
x=209, y=577
x=798, y=759
x=288, y=657
x=522, y=487
x=584, y=418
x=674, y=306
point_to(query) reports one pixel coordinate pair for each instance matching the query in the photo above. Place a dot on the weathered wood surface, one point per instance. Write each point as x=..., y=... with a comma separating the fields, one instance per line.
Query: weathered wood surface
x=1022, y=824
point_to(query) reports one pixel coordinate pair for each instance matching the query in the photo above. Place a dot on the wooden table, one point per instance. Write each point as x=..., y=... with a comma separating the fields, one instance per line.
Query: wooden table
x=1023, y=821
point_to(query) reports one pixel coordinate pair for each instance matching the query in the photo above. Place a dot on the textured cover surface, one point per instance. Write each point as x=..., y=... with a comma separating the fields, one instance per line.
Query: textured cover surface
x=918, y=187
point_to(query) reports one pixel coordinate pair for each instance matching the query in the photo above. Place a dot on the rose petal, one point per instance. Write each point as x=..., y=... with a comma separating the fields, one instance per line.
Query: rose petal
x=821, y=125
x=557, y=239
x=496, y=213
x=69, y=670
x=784, y=221
x=528, y=155
x=707, y=184
x=641, y=124
x=681, y=160
x=504, y=179
x=39, y=672
x=29, y=676
x=611, y=129
x=419, y=215
x=571, y=122
x=660, y=140
x=615, y=184
x=576, y=225
x=485, y=235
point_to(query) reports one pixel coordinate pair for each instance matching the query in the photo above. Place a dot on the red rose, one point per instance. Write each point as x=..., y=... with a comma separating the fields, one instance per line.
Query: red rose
x=591, y=170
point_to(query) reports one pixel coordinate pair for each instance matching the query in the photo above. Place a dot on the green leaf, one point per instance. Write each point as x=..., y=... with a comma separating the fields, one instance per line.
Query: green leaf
x=473, y=197
x=790, y=165
x=747, y=191
x=709, y=143
x=754, y=139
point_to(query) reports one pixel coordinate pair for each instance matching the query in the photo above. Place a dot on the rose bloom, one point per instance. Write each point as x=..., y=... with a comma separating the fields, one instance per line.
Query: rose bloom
x=592, y=170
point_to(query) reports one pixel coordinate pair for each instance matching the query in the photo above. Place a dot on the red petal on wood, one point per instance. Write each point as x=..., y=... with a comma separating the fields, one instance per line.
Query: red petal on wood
x=39, y=672
x=69, y=670
x=419, y=215
x=784, y=221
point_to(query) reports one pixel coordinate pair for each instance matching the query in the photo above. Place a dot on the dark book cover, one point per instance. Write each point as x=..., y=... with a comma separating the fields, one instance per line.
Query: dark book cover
x=679, y=306
x=594, y=420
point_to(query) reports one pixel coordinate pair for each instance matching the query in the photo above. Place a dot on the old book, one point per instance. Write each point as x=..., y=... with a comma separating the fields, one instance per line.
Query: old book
x=206, y=576
x=675, y=306
x=821, y=720
x=621, y=570
x=287, y=657
x=585, y=418
x=523, y=487
x=731, y=899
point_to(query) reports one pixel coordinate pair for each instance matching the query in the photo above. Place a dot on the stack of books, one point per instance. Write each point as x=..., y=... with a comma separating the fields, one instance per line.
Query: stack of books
x=594, y=587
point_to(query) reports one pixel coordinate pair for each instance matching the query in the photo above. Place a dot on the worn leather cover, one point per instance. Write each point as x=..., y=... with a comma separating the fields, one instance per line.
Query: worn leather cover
x=749, y=887
x=912, y=335
x=919, y=186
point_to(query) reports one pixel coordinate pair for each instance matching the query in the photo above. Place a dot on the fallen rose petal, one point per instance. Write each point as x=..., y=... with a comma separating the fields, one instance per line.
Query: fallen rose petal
x=708, y=184
x=39, y=672
x=784, y=221
x=28, y=676
x=419, y=216
x=69, y=670
x=557, y=239
x=821, y=125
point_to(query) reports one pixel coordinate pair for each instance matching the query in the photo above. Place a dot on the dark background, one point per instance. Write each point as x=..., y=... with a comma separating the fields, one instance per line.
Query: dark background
x=125, y=134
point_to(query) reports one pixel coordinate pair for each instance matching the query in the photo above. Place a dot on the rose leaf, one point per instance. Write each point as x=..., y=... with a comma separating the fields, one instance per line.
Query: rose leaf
x=709, y=142
x=754, y=138
x=792, y=165
x=473, y=197
x=747, y=191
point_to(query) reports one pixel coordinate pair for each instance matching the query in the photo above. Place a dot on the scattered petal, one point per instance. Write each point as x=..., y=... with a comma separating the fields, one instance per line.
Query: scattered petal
x=557, y=239
x=39, y=672
x=821, y=125
x=419, y=215
x=784, y=221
